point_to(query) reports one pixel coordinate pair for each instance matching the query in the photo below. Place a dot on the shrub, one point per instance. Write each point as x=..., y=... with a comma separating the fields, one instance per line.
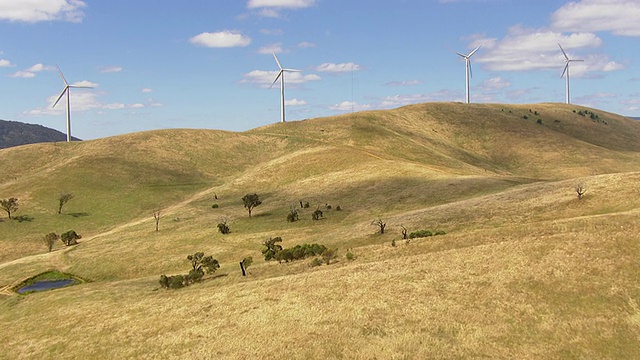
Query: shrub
x=70, y=238
x=223, y=228
x=539, y=121
x=420, y=234
x=338, y=208
x=316, y=262
x=300, y=252
x=306, y=205
x=271, y=248
x=329, y=254
x=350, y=256
x=214, y=206
x=293, y=215
x=525, y=117
x=328, y=207
x=317, y=215
x=440, y=232
x=176, y=282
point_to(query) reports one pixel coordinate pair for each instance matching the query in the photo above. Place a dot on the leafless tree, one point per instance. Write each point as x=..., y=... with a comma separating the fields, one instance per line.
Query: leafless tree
x=580, y=190
x=156, y=216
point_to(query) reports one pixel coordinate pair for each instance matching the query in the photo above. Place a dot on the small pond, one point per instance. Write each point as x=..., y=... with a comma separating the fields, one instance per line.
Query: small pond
x=48, y=280
x=46, y=285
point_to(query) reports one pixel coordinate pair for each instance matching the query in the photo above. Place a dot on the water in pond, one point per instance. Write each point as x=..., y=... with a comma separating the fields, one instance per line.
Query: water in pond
x=46, y=285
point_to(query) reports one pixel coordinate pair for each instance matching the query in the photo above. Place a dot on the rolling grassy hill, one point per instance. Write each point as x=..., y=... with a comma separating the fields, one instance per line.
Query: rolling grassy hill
x=526, y=270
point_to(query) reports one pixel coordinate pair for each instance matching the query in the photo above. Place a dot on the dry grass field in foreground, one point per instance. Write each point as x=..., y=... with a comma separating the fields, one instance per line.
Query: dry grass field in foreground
x=525, y=270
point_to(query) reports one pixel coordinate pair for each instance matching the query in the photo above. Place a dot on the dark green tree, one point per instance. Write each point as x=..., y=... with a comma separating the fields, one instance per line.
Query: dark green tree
x=271, y=248
x=203, y=264
x=63, y=198
x=251, y=201
x=70, y=238
x=9, y=205
x=223, y=227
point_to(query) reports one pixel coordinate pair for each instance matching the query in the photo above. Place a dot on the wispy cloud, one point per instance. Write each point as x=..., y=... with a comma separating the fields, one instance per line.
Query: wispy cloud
x=494, y=84
x=295, y=102
x=146, y=90
x=271, y=48
x=221, y=39
x=82, y=100
x=306, y=44
x=5, y=63
x=287, y=4
x=33, y=11
x=349, y=106
x=110, y=69
x=404, y=83
x=338, y=68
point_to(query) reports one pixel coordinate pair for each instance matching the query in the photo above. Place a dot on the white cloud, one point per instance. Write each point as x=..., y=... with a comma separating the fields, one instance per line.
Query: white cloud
x=271, y=48
x=136, y=106
x=85, y=83
x=5, y=63
x=111, y=69
x=338, y=68
x=32, y=11
x=617, y=16
x=295, y=102
x=406, y=99
x=404, y=83
x=288, y=4
x=275, y=32
x=265, y=78
x=82, y=100
x=146, y=90
x=31, y=71
x=221, y=39
x=349, y=106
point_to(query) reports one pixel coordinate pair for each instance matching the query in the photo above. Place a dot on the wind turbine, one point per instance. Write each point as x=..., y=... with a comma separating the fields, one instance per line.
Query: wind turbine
x=566, y=70
x=468, y=73
x=66, y=89
x=281, y=77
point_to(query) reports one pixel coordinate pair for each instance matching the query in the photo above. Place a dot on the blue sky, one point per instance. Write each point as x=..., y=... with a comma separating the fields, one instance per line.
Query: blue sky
x=208, y=64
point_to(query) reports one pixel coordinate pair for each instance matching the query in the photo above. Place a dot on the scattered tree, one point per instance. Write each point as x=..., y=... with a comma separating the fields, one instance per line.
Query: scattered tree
x=271, y=248
x=404, y=232
x=50, y=239
x=202, y=264
x=63, y=198
x=251, y=201
x=70, y=238
x=580, y=190
x=381, y=224
x=156, y=217
x=223, y=227
x=293, y=215
x=329, y=255
x=245, y=263
x=9, y=205
x=317, y=215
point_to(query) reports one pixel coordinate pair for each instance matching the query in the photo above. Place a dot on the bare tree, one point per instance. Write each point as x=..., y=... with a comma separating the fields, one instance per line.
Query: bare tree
x=156, y=216
x=580, y=190
x=404, y=232
x=381, y=224
x=9, y=205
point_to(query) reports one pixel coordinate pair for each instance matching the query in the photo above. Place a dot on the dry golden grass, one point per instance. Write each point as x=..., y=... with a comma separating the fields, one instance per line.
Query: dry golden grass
x=526, y=270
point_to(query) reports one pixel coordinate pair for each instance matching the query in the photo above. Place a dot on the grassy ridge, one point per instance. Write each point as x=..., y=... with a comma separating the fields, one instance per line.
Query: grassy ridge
x=525, y=270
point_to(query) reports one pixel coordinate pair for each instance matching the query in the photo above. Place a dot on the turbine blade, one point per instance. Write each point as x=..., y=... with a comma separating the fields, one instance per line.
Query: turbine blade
x=464, y=56
x=470, y=69
x=474, y=51
x=277, y=61
x=575, y=60
x=277, y=77
x=80, y=87
x=62, y=76
x=292, y=70
x=563, y=53
x=66, y=88
x=566, y=67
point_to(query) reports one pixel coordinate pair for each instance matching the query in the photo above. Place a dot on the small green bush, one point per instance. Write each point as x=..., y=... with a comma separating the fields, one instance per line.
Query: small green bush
x=317, y=215
x=440, y=232
x=293, y=216
x=223, y=228
x=316, y=262
x=338, y=208
x=70, y=238
x=420, y=234
x=350, y=256
x=176, y=282
x=214, y=206
x=539, y=121
x=306, y=205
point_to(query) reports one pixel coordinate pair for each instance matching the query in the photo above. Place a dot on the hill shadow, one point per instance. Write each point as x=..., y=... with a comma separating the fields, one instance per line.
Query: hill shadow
x=23, y=218
x=79, y=214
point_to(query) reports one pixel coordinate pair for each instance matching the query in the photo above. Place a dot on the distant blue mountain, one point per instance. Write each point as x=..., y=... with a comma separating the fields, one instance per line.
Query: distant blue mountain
x=14, y=133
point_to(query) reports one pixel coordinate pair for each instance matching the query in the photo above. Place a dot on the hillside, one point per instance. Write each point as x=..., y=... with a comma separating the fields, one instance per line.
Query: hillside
x=14, y=133
x=525, y=270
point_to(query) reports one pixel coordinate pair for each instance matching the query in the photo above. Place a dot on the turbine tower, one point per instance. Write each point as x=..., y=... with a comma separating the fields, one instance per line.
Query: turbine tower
x=281, y=76
x=66, y=89
x=566, y=70
x=468, y=74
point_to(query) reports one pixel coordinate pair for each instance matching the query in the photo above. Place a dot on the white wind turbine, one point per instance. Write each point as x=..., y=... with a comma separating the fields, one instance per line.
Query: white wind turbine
x=281, y=76
x=566, y=70
x=468, y=73
x=66, y=89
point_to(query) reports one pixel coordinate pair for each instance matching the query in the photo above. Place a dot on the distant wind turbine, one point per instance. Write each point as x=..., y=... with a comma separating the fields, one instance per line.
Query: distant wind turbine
x=281, y=76
x=468, y=73
x=566, y=70
x=66, y=89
